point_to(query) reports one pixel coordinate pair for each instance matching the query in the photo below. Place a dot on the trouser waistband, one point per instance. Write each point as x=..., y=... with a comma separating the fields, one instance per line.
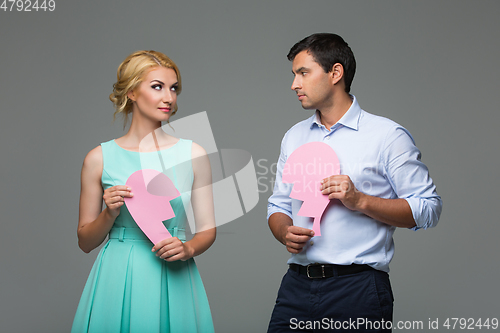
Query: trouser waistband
x=320, y=271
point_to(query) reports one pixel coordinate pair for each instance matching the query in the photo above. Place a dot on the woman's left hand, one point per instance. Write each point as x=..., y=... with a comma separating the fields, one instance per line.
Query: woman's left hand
x=172, y=249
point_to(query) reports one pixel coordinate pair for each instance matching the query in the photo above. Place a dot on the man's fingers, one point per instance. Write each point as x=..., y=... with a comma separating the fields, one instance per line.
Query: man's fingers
x=298, y=239
x=338, y=181
x=332, y=189
x=292, y=250
x=300, y=231
x=295, y=246
x=332, y=180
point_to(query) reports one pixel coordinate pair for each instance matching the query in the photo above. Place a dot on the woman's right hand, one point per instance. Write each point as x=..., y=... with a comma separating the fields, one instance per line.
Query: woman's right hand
x=94, y=223
x=114, y=198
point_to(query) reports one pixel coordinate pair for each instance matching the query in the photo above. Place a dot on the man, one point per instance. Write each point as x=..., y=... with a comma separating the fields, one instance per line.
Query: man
x=339, y=280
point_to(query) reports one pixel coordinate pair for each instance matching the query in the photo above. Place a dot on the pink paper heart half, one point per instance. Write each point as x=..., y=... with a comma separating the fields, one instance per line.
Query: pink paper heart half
x=305, y=168
x=150, y=205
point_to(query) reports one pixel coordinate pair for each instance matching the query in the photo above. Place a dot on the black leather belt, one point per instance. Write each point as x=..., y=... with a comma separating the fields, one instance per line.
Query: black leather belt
x=319, y=271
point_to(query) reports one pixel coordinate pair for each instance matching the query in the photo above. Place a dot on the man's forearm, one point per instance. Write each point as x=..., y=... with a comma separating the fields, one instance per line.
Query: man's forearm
x=279, y=223
x=395, y=212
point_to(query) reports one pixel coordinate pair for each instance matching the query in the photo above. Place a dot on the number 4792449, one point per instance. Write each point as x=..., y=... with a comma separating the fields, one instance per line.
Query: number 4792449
x=28, y=5
x=470, y=323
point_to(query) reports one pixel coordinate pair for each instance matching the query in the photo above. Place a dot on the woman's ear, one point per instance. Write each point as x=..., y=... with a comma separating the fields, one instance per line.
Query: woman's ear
x=131, y=94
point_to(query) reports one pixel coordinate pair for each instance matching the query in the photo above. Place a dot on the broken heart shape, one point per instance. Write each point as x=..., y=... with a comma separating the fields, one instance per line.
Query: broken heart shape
x=305, y=168
x=150, y=205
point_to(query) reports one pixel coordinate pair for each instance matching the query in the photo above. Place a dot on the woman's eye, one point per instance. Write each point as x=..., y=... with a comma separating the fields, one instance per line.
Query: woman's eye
x=156, y=87
x=174, y=88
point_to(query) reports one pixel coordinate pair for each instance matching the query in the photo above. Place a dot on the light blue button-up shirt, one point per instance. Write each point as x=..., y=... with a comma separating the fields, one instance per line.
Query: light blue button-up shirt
x=382, y=160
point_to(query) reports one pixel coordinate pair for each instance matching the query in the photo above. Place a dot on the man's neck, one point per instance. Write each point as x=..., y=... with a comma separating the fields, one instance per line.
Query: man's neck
x=330, y=116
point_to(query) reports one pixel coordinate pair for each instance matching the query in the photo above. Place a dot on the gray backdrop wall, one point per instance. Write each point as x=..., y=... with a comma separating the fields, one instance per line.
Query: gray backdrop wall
x=429, y=65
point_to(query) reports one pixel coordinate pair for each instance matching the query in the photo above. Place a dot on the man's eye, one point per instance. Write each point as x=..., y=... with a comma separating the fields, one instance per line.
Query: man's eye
x=303, y=73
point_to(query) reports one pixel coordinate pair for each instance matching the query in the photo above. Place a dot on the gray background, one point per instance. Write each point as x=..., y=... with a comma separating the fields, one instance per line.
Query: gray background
x=429, y=65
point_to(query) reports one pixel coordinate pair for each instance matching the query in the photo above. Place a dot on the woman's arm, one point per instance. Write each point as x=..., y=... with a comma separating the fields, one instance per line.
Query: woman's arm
x=203, y=207
x=203, y=202
x=94, y=223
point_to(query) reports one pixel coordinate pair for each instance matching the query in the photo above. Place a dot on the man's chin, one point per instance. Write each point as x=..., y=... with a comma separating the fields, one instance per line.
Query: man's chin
x=308, y=107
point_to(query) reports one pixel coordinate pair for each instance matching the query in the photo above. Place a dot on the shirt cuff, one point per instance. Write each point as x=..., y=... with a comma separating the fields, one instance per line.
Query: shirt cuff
x=271, y=209
x=425, y=212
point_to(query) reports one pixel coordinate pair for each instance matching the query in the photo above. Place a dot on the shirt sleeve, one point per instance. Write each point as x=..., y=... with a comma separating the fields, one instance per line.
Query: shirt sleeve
x=410, y=178
x=279, y=201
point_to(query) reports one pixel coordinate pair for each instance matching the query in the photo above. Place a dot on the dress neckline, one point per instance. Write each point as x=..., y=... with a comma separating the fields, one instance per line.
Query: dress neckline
x=146, y=152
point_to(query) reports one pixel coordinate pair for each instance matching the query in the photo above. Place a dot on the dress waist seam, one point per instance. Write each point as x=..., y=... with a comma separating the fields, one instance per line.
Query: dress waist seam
x=122, y=233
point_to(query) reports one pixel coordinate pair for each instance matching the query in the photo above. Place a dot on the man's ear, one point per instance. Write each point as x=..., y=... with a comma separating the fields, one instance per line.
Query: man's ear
x=337, y=73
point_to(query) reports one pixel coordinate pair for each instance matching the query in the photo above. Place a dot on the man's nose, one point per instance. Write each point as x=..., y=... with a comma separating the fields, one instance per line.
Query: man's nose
x=295, y=84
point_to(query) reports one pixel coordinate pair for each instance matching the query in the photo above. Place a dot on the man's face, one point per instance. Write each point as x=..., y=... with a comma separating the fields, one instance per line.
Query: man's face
x=313, y=86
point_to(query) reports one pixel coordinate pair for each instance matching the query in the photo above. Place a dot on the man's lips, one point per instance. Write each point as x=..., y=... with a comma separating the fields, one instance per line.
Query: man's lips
x=301, y=96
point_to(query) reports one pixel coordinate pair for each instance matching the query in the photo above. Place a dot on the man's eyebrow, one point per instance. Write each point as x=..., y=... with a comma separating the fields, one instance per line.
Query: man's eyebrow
x=299, y=70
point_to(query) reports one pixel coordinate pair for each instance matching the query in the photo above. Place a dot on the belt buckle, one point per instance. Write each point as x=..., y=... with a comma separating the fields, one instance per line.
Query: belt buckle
x=316, y=277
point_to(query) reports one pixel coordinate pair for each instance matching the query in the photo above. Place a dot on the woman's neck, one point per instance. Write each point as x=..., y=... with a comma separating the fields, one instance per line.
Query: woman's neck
x=144, y=135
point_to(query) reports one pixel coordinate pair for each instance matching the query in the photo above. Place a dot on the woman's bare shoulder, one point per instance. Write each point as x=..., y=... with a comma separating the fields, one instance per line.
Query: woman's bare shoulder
x=93, y=160
x=197, y=150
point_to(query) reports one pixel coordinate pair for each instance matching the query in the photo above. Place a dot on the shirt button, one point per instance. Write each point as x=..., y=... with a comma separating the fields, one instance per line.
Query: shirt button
x=312, y=243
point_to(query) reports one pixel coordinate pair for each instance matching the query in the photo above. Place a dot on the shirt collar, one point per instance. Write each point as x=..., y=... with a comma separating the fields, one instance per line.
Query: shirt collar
x=349, y=119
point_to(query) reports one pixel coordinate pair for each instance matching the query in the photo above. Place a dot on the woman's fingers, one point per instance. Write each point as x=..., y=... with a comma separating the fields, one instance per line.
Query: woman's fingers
x=120, y=190
x=114, y=198
x=168, y=248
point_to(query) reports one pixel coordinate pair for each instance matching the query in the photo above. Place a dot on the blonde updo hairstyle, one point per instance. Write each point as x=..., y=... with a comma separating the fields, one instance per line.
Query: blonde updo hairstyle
x=131, y=73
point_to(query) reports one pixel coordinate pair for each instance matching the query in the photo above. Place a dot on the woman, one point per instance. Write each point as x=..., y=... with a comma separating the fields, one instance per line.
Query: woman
x=129, y=288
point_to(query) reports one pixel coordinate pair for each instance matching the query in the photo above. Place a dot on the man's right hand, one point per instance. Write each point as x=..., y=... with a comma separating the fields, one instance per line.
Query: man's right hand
x=293, y=237
x=296, y=238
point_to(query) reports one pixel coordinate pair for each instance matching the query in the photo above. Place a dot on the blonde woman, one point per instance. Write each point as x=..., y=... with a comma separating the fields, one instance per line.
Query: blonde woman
x=134, y=285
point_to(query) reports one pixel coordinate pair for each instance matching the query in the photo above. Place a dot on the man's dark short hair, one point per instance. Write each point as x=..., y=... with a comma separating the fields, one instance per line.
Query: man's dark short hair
x=327, y=50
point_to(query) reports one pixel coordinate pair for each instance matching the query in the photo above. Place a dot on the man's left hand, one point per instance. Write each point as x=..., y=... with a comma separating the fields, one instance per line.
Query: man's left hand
x=341, y=187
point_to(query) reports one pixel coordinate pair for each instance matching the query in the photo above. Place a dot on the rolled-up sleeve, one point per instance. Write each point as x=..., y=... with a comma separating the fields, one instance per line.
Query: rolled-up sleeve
x=279, y=201
x=410, y=178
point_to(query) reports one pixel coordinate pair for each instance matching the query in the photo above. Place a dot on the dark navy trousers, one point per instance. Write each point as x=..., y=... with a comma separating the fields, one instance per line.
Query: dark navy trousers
x=361, y=302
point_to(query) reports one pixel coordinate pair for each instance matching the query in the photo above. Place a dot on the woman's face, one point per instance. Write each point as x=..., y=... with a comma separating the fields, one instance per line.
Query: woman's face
x=156, y=96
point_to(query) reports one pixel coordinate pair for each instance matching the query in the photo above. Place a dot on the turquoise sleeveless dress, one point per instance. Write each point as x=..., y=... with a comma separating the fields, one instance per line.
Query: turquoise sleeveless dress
x=129, y=289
